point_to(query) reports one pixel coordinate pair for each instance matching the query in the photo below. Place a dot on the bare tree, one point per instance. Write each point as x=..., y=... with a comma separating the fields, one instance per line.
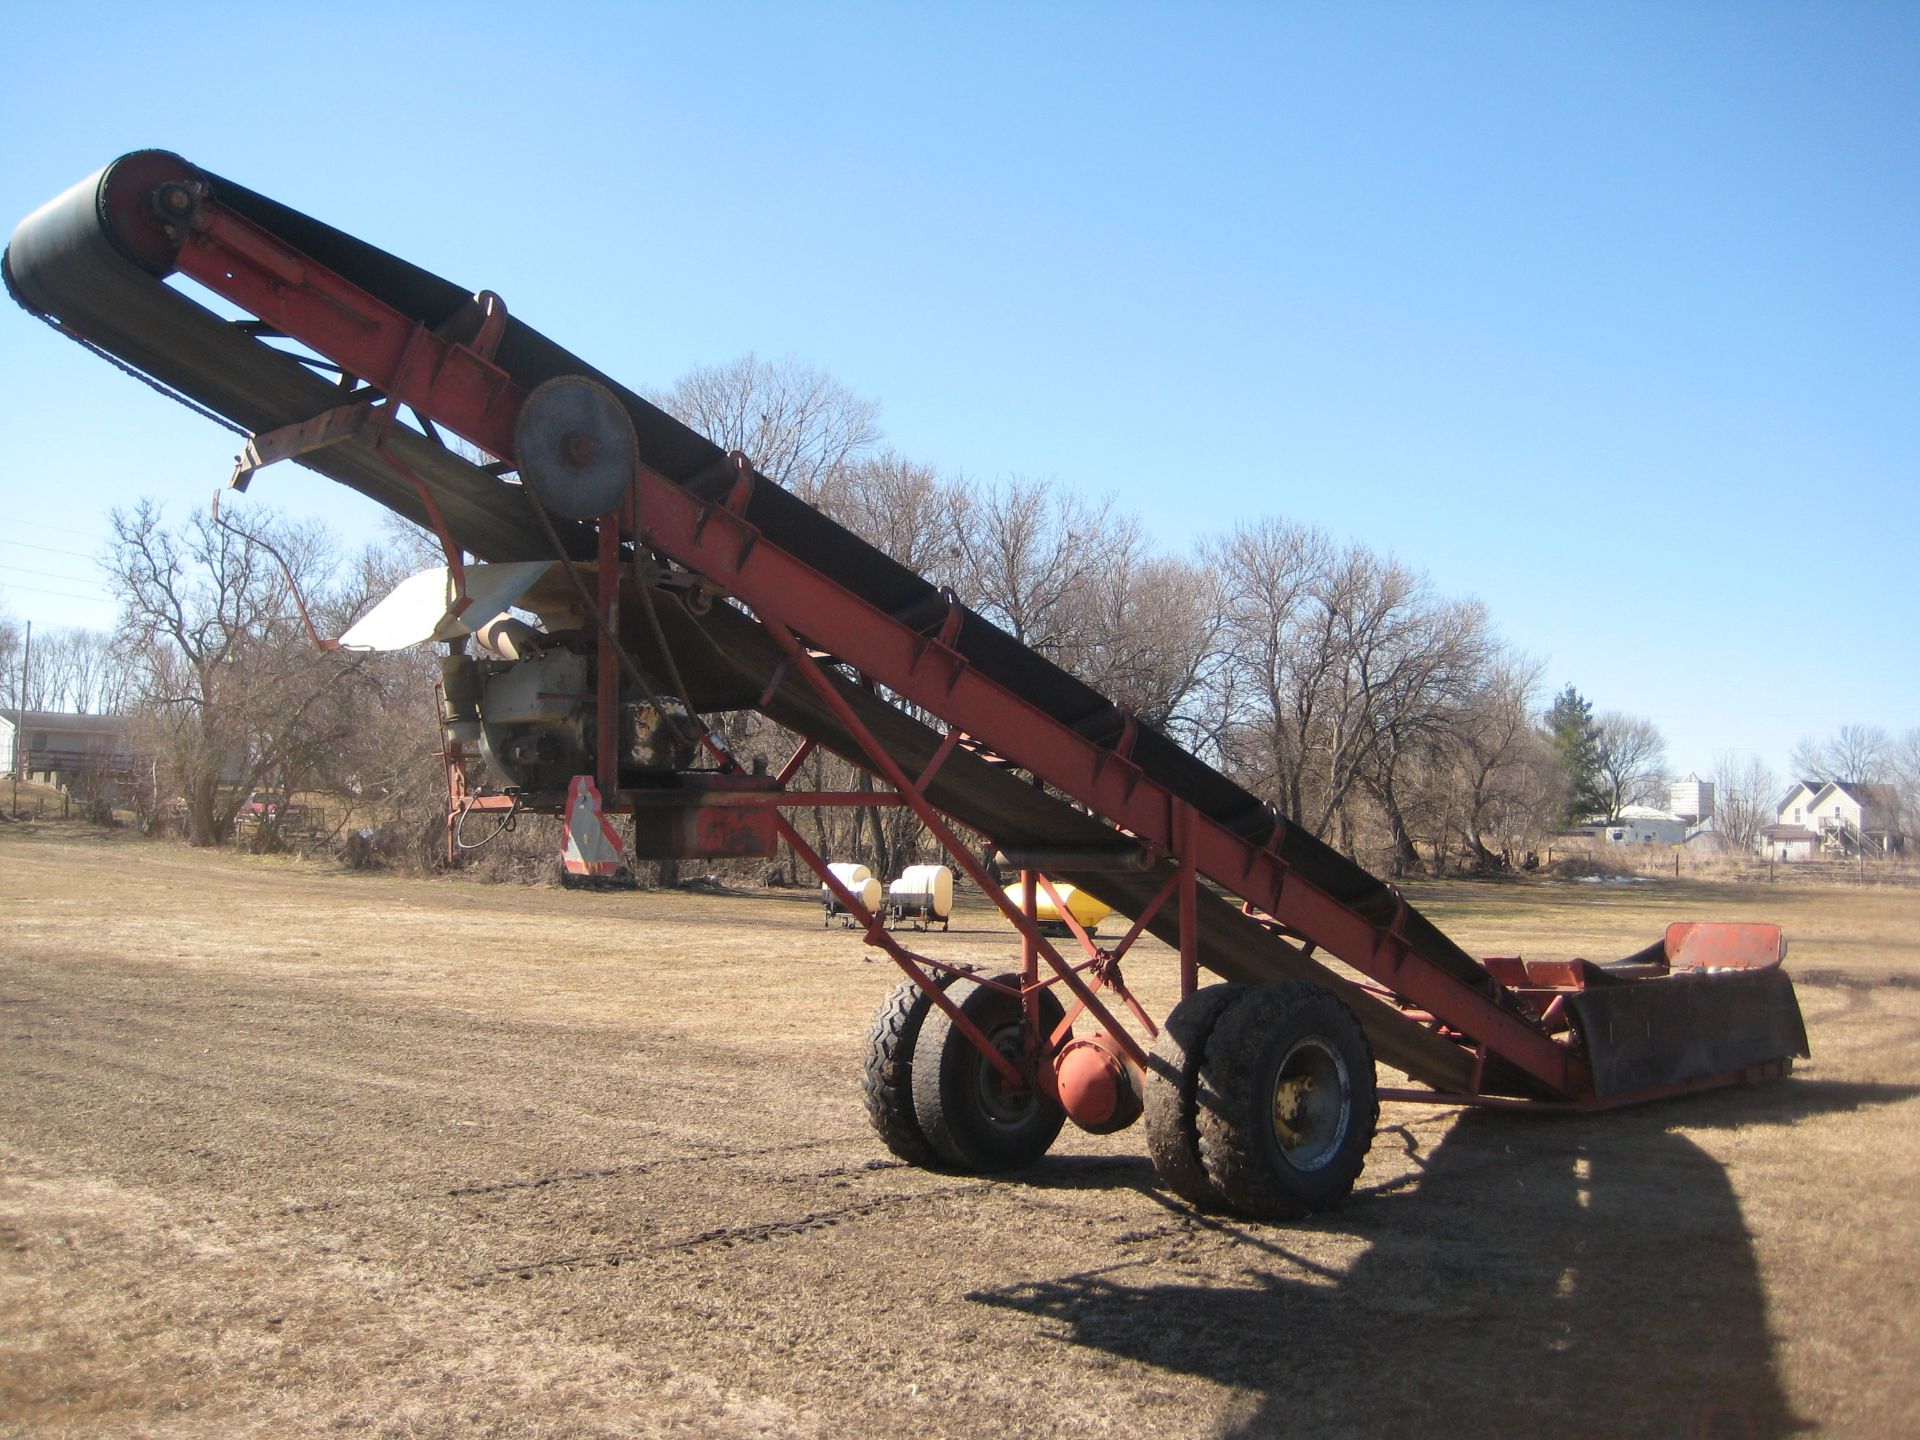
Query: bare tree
x=1860, y=754
x=804, y=429
x=1280, y=642
x=1352, y=601
x=1904, y=763
x=228, y=690
x=1149, y=638
x=1031, y=555
x=387, y=765
x=12, y=638
x=1746, y=794
x=47, y=682
x=905, y=509
x=797, y=424
x=1419, y=660
x=1632, y=761
x=1342, y=668
x=75, y=670
x=1509, y=780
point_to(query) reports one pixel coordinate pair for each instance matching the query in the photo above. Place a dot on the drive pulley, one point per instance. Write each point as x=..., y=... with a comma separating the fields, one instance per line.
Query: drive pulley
x=576, y=446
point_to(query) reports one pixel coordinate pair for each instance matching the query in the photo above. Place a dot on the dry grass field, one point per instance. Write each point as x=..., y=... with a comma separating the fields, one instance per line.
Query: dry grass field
x=286, y=1151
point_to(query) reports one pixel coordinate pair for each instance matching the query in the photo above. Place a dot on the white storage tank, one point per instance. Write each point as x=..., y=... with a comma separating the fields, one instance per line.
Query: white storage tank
x=857, y=878
x=923, y=893
x=1691, y=799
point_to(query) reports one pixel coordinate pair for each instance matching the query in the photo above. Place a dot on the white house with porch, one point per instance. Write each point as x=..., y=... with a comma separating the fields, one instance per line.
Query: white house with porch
x=1836, y=818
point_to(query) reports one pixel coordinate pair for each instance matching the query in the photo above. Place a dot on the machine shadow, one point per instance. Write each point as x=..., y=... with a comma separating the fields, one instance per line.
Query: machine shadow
x=1586, y=1275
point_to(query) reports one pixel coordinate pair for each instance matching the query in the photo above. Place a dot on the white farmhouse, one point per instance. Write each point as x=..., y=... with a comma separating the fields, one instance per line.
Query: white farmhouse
x=1797, y=808
x=1850, y=816
x=1837, y=818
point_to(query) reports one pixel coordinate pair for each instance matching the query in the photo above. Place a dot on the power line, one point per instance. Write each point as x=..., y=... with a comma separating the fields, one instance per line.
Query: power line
x=43, y=574
x=57, y=529
x=50, y=549
x=63, y=594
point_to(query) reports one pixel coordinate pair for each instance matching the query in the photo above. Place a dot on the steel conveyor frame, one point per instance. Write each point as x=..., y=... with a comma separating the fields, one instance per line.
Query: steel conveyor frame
x=808, y=597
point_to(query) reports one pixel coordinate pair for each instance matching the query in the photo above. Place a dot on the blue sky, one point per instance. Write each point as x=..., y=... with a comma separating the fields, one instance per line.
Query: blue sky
x=1608, y=314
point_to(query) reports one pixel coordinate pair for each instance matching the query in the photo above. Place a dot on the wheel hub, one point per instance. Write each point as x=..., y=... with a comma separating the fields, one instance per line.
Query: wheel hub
x=1311, y=1103
x=999, y=1101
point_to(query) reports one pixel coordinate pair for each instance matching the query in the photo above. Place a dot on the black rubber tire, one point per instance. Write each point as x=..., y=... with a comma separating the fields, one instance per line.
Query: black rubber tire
x=956, y=1096
x=1173, y=1077
x=886, y=1079
x=1272, y=1033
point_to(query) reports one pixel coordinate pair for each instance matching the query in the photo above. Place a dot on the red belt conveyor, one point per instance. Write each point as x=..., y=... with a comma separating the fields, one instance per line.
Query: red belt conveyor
x=696, y=577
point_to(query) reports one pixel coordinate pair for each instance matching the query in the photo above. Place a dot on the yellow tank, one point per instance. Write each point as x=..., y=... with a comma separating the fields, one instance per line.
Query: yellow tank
x=1082, y=906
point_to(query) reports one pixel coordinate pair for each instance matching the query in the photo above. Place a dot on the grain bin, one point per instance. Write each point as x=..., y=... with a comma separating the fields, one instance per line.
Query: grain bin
x=1691, y=799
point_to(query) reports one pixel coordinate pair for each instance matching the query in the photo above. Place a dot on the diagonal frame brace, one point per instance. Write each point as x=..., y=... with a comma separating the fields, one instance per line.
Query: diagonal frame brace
x=809, y=669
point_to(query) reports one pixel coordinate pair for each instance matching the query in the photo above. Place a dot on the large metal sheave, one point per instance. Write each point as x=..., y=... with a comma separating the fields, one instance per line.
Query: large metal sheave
x=96, y=261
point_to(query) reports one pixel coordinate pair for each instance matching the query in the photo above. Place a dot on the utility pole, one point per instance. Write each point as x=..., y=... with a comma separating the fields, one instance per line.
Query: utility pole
x=20, y=718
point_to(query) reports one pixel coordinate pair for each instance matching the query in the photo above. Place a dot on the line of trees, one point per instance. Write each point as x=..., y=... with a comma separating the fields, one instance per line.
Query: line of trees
x=1332, y=680
x=73, y=669
x=1859, y=754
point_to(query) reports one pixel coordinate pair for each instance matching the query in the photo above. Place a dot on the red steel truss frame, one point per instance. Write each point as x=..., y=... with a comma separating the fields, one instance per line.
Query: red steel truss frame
x=456, y=385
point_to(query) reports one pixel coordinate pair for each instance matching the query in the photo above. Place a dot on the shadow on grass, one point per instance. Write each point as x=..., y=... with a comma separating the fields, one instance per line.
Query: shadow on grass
x=1585, y=1275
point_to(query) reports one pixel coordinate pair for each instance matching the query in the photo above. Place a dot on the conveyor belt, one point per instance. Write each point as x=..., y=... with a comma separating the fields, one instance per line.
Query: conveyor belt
x=95, y=260
x=1000, y=803
x=65, y=263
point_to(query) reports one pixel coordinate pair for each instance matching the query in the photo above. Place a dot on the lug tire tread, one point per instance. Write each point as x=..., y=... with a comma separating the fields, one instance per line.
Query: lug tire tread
x=1173, y=1080
x=1235, y=1133
x=942, y=1087
x=886, y=1078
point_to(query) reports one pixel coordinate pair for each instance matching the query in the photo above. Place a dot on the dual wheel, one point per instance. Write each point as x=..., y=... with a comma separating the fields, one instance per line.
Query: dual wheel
x=936, y=1100
x=1259, y=1099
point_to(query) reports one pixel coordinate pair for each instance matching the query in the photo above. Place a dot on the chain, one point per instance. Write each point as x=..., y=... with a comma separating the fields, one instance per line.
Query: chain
x=146, y=379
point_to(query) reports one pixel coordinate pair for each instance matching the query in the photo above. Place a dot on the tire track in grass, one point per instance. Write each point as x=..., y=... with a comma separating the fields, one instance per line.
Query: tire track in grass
x=608, y=1172
x=725, y=1236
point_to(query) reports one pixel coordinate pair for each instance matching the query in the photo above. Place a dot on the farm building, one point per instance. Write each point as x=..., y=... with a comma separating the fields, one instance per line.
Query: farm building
x=1789, y=842
x=1795, y=808
x=1635, y=825
x=1837, y=817
x=59, y=748
x=1691, y=799
x=1705, y=840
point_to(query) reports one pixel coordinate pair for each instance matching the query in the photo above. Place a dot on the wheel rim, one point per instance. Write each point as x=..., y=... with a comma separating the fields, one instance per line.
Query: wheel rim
x=999, y=1105
x=1311, y=1102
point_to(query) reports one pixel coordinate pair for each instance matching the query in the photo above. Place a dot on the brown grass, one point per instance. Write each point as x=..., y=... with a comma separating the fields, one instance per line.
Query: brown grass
x=30, y=800
x=290, y=1151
